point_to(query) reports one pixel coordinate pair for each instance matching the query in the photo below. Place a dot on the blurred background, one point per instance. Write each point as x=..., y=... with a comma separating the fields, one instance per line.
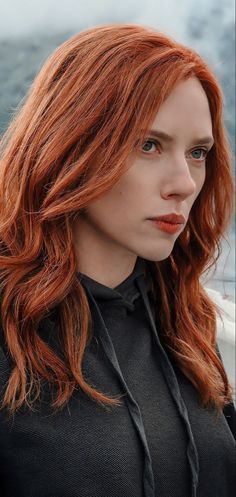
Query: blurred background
x=31, y=30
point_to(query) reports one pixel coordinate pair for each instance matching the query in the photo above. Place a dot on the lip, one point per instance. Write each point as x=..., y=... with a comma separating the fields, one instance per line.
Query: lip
x=170, y=218
x=170, y=228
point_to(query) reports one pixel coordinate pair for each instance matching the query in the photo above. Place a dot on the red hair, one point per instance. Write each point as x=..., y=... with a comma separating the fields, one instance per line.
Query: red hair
x=69, y=144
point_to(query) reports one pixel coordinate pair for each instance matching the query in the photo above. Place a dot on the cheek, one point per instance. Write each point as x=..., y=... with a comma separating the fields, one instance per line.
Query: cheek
x=202, y=180
x=200, y=177
x=111, y=211
x=124, y=199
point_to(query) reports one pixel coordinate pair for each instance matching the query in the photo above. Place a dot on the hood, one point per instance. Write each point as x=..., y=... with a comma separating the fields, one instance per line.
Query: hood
x=139, y=284
x=125, y=293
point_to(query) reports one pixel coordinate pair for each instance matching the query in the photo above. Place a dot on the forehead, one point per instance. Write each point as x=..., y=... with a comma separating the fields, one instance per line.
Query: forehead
x=185, y=109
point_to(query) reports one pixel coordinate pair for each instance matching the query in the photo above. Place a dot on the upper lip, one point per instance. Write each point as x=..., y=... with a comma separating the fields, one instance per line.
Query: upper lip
x=170, y=218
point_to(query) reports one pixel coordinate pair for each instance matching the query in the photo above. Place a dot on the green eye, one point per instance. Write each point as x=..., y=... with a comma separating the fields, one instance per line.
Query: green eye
x=146, y=147
x=197, y=153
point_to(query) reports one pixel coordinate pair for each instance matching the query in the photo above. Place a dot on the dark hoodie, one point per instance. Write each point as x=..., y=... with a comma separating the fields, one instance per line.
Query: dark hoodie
x=158, y=443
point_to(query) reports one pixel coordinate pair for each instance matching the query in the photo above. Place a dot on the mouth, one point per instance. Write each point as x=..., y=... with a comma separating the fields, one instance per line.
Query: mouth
x=170, y=218
x=167, y=227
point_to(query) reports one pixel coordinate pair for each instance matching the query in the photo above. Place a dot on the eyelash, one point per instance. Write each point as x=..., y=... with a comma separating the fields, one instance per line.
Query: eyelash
x=155, y=142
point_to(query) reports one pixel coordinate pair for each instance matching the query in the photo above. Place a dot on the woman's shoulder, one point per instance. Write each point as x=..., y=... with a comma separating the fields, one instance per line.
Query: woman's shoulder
x=229, y=409
x=230, y=415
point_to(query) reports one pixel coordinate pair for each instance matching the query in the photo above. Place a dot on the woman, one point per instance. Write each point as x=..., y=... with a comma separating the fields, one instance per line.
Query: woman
x=111, y=379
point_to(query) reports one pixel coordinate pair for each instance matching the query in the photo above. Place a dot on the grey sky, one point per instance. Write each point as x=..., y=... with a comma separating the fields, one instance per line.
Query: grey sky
x=32, y=17
x=24, y=17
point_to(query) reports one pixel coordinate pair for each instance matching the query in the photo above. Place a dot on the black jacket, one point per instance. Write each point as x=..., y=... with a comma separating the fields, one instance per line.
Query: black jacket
x=158, y=443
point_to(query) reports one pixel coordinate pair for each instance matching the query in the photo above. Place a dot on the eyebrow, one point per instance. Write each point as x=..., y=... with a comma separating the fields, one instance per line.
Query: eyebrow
x=206, y=140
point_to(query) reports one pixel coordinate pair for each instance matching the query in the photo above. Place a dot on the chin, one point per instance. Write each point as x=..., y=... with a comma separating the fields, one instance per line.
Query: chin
x=155, y=256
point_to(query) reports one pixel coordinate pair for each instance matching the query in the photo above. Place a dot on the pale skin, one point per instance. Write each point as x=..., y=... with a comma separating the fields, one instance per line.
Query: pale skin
x=164, y=177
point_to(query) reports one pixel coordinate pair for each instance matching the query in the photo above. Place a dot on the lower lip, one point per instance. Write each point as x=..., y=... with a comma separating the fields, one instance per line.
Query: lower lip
x=167, y=227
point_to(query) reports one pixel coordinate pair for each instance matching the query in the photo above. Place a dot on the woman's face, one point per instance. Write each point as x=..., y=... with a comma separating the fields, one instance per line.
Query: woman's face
x=165, y=176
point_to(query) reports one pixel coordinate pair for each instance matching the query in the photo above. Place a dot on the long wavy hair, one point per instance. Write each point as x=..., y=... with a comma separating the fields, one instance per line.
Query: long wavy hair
x=68, y=144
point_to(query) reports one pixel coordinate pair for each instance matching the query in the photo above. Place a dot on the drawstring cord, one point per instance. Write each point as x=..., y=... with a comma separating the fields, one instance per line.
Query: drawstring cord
x=172, y=382
x=133, y=407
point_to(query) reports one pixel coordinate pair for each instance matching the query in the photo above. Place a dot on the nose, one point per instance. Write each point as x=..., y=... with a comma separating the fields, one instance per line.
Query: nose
x=178, y=180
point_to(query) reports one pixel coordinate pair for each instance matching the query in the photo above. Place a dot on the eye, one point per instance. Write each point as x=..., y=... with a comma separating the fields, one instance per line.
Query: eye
x=150, y=145
x=147, y=145
x=199, y=154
